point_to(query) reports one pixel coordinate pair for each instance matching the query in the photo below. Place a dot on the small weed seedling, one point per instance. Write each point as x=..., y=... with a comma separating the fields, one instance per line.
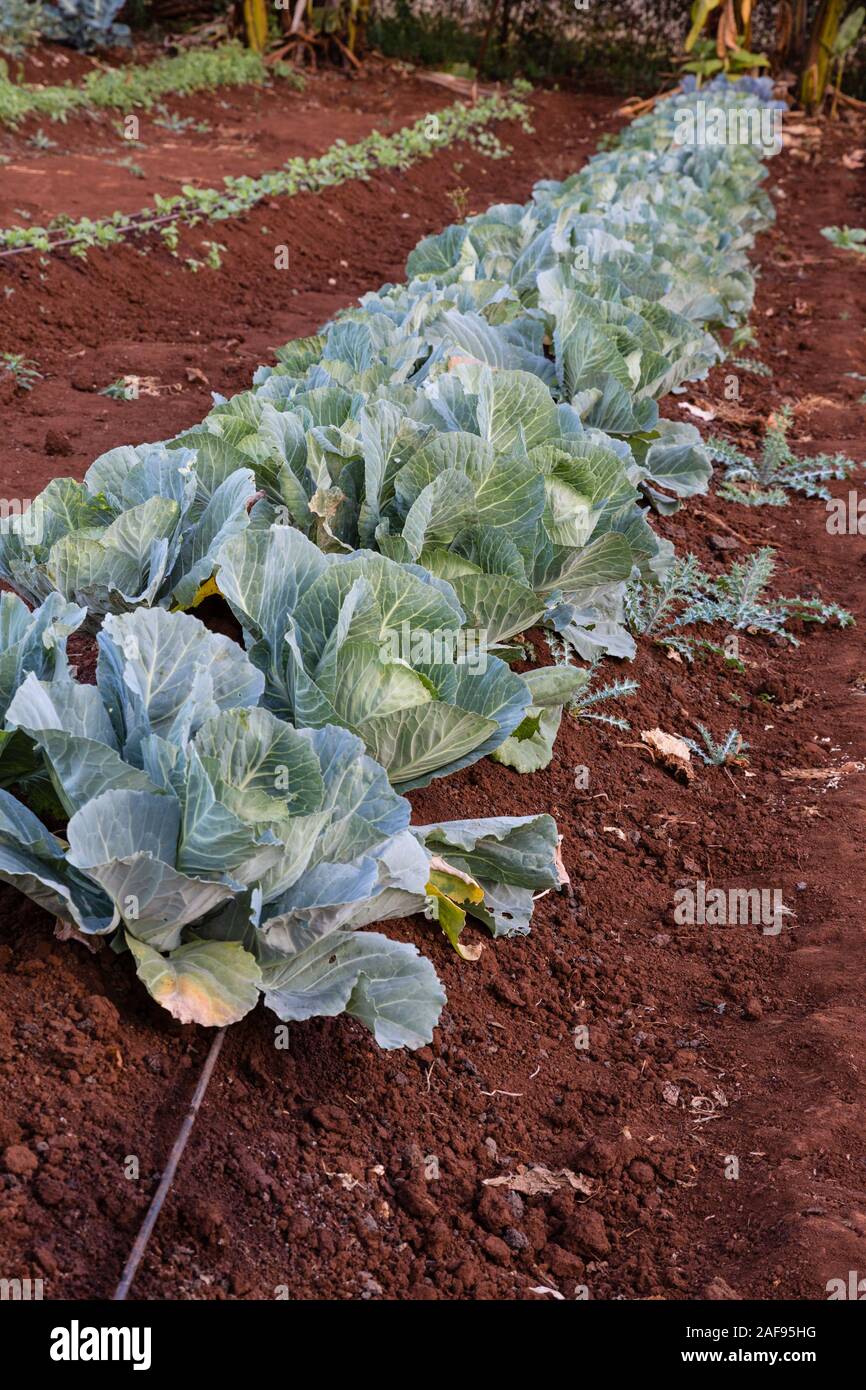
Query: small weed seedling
x=750, y=364
x=583, y=705
x=730, y=750
x=41, y=141
x=847, y=238
x=25, y=372
x=119, y=390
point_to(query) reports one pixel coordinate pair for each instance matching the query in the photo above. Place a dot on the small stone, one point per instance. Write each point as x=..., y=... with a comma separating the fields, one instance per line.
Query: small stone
x=496, y=1249
x=514, y=1239
x=20, y=1160
x=45, y=1259
x=58, y=444
x=717, y=1291
x=102, y=1014
x=331, y=1118
x=50, y=1191
x=585, y=1232
x=495, y=1211
x=414, y=1198
x=597, y=1157
x=562, y=1262
x=752, y=1010
x=641, y=1172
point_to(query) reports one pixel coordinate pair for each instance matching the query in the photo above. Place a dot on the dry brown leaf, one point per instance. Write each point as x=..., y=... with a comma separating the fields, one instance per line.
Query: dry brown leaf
x=348, y=1181
x=143, y=385
x=821, y=774
x=671, y=751
x=809, y=403
x=737, y=414
x=559, y=865
x=696, y=410
x=536, y=1179
x=65, y=931
x=726, y=34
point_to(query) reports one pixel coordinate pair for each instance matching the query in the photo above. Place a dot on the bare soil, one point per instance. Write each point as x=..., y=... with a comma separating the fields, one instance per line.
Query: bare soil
x=312, y=1169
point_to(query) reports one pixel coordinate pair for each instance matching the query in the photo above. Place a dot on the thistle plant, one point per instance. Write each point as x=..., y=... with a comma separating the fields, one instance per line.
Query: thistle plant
x=766, y=481
x=750, y=364
x=730, y=750
x=582, y=704
x=737, y=598
x=650, y=607
x=41, y=141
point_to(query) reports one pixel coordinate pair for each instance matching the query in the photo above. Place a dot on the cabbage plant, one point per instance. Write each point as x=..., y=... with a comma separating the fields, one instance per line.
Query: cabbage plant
x=237, y=857
x=494, y=489
x=84, y=24
x=141, y=529
x=377, y=647
x=29, y=642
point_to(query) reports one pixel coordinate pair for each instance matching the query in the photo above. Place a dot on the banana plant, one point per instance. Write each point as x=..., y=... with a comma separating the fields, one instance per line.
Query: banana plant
x=728, y=49
x=256, y=25
x=849, y=33
x=827, y=30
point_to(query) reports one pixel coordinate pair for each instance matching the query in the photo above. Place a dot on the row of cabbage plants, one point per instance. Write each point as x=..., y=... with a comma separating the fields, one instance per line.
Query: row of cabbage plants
x=385, y=511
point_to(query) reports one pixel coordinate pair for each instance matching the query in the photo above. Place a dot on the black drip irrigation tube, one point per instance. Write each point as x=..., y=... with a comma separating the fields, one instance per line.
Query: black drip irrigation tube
x=137, y=1252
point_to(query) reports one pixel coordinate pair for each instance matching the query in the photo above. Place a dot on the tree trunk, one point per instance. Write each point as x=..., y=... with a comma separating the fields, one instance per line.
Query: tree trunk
x=485, y=42
x=813, y=81
x=505, y=26
x=256, y=25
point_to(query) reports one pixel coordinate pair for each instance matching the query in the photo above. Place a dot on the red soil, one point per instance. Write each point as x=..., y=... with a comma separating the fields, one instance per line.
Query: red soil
x=310, y=1168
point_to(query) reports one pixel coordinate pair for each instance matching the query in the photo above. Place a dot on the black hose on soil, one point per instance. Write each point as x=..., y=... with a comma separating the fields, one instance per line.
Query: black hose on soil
x=177, y=1148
